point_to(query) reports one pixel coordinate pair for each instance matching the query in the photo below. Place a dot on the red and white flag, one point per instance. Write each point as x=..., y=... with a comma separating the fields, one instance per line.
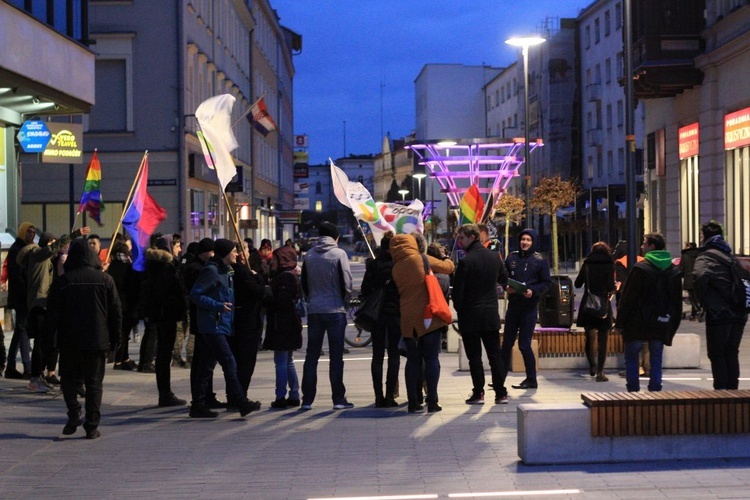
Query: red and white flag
x=260, y=117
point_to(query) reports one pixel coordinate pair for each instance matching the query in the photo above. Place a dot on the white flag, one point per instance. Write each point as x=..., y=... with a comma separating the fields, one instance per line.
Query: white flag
x=217, y=140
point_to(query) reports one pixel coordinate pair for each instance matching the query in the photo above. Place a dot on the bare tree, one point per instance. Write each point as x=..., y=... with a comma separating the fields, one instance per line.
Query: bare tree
x=550, y=195
x=511, y=210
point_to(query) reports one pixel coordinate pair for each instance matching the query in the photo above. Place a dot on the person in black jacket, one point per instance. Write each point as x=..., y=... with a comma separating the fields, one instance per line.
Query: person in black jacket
x=284, y=327
x=387, y=332
x=17, y=302
x=127, y=281
x=475, y=300
x=165, y=306
x=530, y=268
x=725, y=319
x=598, y=276
x=687, y=262
x=84, y=308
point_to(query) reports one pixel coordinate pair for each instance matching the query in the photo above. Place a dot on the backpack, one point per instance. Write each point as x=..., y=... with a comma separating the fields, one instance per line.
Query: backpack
x=657, y=310
x=740, y=290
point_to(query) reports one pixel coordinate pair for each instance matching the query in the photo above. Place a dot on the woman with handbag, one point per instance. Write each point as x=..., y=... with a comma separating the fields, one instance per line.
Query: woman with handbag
x=597, y=276
x=387, y=331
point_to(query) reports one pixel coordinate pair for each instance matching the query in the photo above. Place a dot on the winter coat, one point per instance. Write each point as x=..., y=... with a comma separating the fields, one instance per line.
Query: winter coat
x=687, y=262
x=36, y=264
x=532, y=269
x=712, y=278
x=283, y=326
x=475, y=289
x=83, y=305
x=326, y=278
x=248, y=296
x=16, y=276
x=379, y=271
x=163, y=291
x=598, y=276
x=128, y=282
x=637, y=289
x=190, y=272
x=408, y=273
x=213, y=287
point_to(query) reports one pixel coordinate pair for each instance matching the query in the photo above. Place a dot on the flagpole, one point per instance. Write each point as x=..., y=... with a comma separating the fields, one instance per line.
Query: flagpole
x=75, y=221
x=248, y=111
x=126, y=205
x=359, y=225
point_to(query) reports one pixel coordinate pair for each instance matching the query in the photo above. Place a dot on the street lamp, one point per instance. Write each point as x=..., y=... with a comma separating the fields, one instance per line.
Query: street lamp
x=419, y=176
x=403, y=193
x=525, y=42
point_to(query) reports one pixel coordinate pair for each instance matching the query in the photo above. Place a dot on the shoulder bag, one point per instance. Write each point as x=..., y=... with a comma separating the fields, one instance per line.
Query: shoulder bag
x=366, y=317
x=437, y=306
x=594, y=305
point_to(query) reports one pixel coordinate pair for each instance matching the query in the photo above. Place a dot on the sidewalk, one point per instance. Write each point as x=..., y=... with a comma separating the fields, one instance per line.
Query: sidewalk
x=146, y=451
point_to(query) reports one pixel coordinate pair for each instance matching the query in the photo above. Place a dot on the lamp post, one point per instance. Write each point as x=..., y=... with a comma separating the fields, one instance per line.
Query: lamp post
x=403, y=192
x=525, y=42
x=419, y=176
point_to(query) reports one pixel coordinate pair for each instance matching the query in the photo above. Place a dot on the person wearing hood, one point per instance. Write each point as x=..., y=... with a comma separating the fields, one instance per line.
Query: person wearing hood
x=164, y=307
x=725, y=319
x=655, y=274
x=423, y=341
x=84, y=309
x=17, y=301
x=529, y=267
x=36, y=264
x=598, y=276
x=284, y=327
x=327, y=283
x=687, y=263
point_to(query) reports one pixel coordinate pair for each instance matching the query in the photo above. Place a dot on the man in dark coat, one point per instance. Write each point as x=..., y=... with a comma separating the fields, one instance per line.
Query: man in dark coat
x=687, y=262
x=530, y=268
x=725, y=318
x=17, y=302
x=475, y=300
x=84, y=308
x=639, y=290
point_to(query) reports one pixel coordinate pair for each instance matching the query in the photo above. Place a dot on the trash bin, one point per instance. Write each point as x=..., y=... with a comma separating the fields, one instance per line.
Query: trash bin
x=556, y=306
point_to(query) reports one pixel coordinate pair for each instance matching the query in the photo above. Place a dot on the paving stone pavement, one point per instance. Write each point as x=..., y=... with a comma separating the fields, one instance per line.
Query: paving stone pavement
x=151, y=452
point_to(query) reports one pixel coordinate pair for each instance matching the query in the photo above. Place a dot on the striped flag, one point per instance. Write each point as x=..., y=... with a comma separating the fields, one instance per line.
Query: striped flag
x=471, y=206
x=260, y=117
x=91, y=200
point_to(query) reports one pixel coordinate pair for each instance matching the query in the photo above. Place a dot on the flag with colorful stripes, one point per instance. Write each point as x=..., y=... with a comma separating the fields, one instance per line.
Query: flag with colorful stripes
x=91, y=200
x=471, y=206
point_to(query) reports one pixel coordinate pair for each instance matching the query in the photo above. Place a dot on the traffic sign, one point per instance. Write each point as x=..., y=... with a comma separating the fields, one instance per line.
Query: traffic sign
x=34, y=136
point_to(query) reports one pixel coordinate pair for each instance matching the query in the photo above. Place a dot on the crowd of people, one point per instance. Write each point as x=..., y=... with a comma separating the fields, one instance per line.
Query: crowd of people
x=80, y=303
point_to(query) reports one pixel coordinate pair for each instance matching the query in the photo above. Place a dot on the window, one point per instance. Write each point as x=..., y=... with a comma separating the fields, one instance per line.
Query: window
x=610, y=164
x=620, y=113
x=689, y=202
x=318, y=188
x=621, y=161
x=597, y=31
x=109, y=114
x=599, y=164
x=618, y=15
x=590, y=167
x=737, y=185
x=609, y=117
x=598, y=73
x=607, y=22
x=620, y=65
x=608, y=70
x=587, y=36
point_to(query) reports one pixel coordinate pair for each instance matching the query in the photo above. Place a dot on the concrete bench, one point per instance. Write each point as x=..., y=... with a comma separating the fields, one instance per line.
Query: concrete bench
x=540, y=427
x=668, y=413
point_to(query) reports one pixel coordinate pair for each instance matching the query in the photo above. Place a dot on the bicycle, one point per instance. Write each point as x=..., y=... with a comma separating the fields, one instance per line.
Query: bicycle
x=355, y=336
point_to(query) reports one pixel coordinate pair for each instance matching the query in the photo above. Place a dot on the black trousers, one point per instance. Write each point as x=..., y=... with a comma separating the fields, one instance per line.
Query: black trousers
x=473, y=342
x=166, y=332
x=83, y=367
x=723, y=343
x=43, y=344
x=245, y=350
x=385, y=337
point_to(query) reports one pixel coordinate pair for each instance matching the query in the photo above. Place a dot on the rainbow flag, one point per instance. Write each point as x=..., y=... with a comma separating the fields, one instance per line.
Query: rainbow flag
x=142, y=218
x=91, y=200
x=471, y=206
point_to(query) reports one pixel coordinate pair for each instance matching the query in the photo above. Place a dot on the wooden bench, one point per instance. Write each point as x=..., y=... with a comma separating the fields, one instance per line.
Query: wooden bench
x=668, y=413
x=556, y=342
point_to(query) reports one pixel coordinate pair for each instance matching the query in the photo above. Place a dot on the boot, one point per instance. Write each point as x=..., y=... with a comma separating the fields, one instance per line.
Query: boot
x=379, y=398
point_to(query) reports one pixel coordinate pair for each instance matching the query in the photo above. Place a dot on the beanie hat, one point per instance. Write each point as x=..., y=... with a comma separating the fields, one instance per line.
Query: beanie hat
x=223, y=247
x=328, y=229
x=205, y=245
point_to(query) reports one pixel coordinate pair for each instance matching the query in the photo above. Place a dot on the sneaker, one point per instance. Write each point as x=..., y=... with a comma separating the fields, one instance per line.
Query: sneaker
x=52, y=379
x=305, y=407
x=36, y=384
x=501, y=400
x=345, y=405
x=202, y=412
x=279, y=404
x=476, y=398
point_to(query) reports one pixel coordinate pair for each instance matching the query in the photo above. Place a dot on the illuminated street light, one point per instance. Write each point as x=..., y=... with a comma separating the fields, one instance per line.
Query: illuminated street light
x=403, y=193
x=525, y=43
x=419, y=176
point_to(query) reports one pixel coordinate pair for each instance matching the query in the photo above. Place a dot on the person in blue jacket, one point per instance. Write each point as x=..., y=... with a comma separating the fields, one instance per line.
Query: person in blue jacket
x=213, y=295
x=530, y=268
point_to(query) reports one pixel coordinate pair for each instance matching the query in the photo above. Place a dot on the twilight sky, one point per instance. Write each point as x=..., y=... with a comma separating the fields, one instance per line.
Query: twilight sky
x=357, y=54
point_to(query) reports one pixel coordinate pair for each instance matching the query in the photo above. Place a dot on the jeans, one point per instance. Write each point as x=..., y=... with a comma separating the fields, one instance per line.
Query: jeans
x=519, y=321
x=286, y=374
x=218, y=351
x=473, y=345
x=424, y=350
x=317, y=326
x=20, y=341
x=632, y=365
x=723, y=343
x=83, y=368
x=385, y=336
x=166, y=331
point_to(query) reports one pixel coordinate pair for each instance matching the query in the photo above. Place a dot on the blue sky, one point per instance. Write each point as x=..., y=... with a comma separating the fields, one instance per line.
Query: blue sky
x=355, y=51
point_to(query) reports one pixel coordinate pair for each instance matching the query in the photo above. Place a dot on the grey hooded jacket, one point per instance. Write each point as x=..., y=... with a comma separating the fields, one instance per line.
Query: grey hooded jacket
x=326, y=278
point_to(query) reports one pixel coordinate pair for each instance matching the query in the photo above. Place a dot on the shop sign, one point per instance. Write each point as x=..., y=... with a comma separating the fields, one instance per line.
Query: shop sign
x=301, y=172
x=301, y=157
x=737, y=129
x=65, y=145
x=33, y=136
x=688, y=140
x=301, y=141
